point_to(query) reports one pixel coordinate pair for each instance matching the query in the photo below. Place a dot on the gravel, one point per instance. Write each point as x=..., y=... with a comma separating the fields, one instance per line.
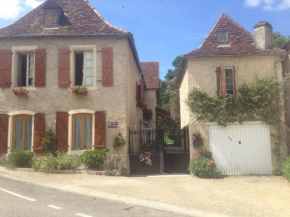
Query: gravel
x=234, y=196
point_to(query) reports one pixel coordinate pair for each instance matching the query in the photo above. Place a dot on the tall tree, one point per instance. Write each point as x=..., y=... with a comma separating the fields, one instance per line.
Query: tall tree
x=280, y=40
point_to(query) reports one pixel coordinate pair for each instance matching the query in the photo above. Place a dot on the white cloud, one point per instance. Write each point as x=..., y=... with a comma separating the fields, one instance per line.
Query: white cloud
x=269, y=5
x=12, y=8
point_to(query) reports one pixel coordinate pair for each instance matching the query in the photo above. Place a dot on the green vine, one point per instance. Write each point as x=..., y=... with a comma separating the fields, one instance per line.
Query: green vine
x=260, y=100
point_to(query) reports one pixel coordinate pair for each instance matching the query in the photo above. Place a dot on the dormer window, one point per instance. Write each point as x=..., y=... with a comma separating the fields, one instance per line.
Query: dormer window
x=222, y=37
x=53, y=14
x=51, y=18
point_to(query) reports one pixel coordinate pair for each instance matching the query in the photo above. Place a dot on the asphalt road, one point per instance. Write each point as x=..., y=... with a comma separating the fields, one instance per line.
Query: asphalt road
x=18, y=199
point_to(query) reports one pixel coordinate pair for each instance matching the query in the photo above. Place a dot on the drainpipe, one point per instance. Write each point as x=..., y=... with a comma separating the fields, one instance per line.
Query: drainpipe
x=276, y=76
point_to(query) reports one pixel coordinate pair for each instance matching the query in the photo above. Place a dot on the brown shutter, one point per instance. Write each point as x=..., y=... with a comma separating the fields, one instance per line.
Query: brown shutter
x=40, y=61
x=137, y=92
x=108, y=77
x=5, y=68
x=141, y=90
x=62, y=131
x=100, y=130
x=234, y=81
x=221, y=81
x=64, y=68
x=3, y=133
x=39, y=130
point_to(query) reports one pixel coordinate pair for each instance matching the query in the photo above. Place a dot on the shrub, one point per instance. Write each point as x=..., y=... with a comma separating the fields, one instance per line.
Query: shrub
x=94, y=159
x=51, y=163
x=286, y=169
x=203, y=165
x=20, y=158
x=112, y=164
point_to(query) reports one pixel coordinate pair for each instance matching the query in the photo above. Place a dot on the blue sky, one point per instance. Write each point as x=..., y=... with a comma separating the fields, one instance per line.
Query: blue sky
x=164, y=29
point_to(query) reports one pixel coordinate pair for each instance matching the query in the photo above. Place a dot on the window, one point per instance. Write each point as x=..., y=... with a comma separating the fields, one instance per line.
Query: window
x=84, y=68
x=222, y=37
x=229, y=81
x=26, y=70
x=22, y=132
x=226, y=81
x=82, y=131
x=51, y=18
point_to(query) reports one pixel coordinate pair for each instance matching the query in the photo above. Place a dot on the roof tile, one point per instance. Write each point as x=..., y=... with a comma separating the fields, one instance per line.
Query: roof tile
x=151, y=74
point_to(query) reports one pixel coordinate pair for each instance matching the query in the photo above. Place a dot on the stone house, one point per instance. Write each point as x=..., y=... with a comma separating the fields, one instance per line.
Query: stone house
x=229, y=57
x=65, y=43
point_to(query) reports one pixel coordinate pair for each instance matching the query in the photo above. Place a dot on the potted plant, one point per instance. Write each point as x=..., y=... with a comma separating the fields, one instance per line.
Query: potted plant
x=119, y=142
x=19, y=91
x=49, y=142
x=79, y=91
x=141, y=104
x=197, y=139
x=146, y=158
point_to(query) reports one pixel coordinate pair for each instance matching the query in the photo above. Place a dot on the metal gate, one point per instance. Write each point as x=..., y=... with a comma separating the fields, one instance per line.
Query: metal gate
x=156, y=151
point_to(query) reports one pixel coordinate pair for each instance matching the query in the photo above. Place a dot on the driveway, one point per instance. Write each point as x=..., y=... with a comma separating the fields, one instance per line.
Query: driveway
x=233, y=196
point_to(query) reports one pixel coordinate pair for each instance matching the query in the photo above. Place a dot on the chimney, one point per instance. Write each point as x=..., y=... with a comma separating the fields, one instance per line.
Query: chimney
x=263, y=35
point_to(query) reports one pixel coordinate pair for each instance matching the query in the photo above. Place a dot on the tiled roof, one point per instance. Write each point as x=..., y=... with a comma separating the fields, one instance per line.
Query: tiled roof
x=151, y=74
x=80, y=18
x=241, y=42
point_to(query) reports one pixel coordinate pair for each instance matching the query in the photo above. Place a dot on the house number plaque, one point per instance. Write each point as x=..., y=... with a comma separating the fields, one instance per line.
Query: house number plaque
x=113, y=124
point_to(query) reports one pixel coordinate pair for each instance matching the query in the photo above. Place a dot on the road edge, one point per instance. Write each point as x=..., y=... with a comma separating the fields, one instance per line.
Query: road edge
x=118, y=198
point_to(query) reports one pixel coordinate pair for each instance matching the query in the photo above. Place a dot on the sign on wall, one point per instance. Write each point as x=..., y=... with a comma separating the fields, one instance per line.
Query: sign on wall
x=113, y=125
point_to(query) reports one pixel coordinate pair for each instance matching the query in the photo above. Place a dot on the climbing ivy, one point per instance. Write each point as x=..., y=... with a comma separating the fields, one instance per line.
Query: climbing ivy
x=259, y=100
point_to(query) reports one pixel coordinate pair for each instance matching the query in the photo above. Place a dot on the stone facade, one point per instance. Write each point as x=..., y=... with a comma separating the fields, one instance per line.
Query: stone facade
x=118, y=101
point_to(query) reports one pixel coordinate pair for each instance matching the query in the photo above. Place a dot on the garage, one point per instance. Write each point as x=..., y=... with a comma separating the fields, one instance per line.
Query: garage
x=241, y=149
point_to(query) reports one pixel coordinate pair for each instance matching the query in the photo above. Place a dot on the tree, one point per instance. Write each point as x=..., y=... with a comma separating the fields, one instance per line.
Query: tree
x=280, y=40
x=169, y=92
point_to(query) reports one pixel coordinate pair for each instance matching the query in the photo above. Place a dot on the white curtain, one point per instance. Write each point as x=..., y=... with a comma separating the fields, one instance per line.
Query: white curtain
x=78, y=132
x=88, y=132
x=28, y=133
x=18, y=133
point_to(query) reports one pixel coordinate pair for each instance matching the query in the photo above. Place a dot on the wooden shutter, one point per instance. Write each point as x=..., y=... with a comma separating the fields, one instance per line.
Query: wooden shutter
x=234, y=81
x=100, y=130
x=137, y=98
x=221, y=82
x=62, y=131
x=64, y=68
x=39, y=130
x=4, y=119
x=40, y=62
x=5, y=68
x=108, y=77
x=141, y=90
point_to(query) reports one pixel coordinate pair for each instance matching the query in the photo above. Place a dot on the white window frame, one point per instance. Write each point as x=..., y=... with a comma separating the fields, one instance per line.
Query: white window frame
x=11, y=125
x=15, y=51
x=79, y=111
x=83, y=48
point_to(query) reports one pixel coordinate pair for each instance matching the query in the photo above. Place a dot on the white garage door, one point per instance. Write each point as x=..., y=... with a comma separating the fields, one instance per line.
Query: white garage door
x=242, y=149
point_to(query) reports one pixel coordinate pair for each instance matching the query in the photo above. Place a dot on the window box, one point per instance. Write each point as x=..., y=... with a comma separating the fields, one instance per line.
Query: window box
x=79, y=91
x=198, y=142
x=19, y=91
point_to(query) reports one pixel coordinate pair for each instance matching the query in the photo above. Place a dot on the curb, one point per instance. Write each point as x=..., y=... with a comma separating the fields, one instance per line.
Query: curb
x=121, y=199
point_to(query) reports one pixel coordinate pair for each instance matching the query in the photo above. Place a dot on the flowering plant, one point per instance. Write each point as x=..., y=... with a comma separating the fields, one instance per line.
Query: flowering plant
x=119, y=142
x=203, y=165
x=197, y=134
x=19, y=91
x=142, y=104
x=146, y=157
x=79, y=91
x=49, y=142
